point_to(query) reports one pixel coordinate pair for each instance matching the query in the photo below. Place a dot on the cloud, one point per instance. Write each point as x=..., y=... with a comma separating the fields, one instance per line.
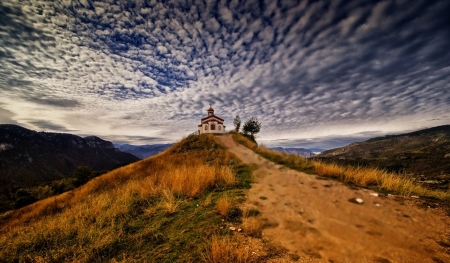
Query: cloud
x=226, y=14
x=64, y=103
x=306, y=69
x=6, y=116
x=162, y=49
x=49, y=126
x=135, y=140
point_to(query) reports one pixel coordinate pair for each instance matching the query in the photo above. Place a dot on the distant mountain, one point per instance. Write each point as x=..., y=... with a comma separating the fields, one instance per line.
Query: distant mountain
x=29, y=158
x=300, y=151
x=425, y=152
x=143, y=151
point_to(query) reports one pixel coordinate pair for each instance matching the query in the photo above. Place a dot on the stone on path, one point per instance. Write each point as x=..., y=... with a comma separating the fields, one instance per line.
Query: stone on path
x=357, y=201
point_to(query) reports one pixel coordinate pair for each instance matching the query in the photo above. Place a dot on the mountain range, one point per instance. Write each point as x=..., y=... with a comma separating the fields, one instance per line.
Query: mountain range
x=30, y=158
x=143, y=151
x=307, y=153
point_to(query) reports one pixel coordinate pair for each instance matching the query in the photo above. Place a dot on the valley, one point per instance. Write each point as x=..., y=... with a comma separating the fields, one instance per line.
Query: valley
x=40, y=163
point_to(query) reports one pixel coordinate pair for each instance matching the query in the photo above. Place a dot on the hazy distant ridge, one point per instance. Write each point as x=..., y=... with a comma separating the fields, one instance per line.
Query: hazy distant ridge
x=143, y=151
x=300, y=151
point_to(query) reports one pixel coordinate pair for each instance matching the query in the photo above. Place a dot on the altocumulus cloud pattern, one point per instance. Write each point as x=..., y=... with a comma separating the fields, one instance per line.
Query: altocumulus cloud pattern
x=316, y=73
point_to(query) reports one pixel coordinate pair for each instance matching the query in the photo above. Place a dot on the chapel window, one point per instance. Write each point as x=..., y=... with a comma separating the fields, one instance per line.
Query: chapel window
x=206, y=127
x=213, y=126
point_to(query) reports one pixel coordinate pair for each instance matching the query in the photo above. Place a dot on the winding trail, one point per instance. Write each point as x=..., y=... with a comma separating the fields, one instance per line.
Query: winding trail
x=314, y=218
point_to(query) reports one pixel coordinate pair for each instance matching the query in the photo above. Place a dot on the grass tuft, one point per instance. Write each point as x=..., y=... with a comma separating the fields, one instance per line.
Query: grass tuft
x=169, y=202
x=224, y=250
x=252, y=226
x=223, y=205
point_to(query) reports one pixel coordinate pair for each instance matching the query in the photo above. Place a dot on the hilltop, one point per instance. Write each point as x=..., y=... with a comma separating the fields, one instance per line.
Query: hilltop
x=424, y=154
x=174, y=207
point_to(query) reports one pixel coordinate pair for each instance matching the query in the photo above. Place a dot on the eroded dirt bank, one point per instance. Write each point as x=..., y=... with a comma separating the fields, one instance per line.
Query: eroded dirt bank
x=314, y=218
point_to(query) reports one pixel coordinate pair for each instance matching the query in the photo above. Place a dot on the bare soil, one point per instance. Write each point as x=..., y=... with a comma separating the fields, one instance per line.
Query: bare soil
x=320, y=220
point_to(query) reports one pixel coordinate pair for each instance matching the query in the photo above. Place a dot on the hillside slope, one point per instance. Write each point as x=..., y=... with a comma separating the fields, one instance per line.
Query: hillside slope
x=173, y=207
x=425, y=152
x=190, y=204
x=30, y=158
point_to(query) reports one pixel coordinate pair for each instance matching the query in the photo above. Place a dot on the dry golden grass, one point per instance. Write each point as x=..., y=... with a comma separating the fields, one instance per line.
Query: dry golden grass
x=224, y=250
x=364, y=177
x=243, y=140
x=169, y=202
x=360, y=176
x=252, y=226
x=224, y=205
x=220, y=250
x=104, y=219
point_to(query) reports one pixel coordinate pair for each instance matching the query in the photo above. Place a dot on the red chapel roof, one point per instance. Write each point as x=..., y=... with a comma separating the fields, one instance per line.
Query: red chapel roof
x=212, y=116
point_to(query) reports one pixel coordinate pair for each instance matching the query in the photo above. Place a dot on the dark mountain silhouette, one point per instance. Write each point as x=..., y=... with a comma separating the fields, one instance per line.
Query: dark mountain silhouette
x=29, y=158
x=143, y=151
x=424, y=153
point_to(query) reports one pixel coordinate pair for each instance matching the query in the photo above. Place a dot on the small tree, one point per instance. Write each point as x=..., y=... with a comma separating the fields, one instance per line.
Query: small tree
x=237, y=122
x=252, y=126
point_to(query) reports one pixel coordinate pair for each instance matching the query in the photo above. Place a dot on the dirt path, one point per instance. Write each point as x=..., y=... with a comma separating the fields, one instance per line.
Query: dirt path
x=314, y=218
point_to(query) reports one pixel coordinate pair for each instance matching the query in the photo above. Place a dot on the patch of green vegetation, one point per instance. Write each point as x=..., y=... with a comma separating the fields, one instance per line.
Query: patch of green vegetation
x=176, y=237
x=244, y=176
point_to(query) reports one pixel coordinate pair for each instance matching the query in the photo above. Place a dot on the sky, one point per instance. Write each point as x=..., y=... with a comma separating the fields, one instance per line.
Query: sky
x=317, y=74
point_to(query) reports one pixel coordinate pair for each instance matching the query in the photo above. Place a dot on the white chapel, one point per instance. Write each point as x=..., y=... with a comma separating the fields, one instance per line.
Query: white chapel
x=211, y=123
